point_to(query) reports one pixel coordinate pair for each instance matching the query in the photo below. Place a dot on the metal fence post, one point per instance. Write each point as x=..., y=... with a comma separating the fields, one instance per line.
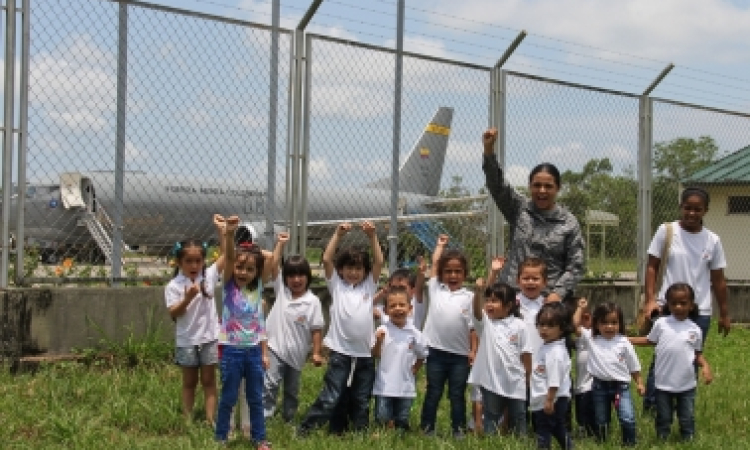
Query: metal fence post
x=500, y=147
x=272, y=124
x=305, y=158
x=645, y=175
x=120, y=137
x=393, y=231
x=23, y=127
x=9, y=96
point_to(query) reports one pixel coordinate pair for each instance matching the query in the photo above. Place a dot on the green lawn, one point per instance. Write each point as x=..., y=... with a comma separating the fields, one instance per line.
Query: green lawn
x=72, y=405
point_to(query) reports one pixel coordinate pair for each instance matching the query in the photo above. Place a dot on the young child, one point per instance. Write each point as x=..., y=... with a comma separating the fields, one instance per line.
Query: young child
x=243, y=334
x=294, y=323
x=678, y=343
x=350, y=375
x=532, y=279
x=448, y=330
x=503, y=363
x=550, y=378
x=402, y=351
x=189, y=298
x=414, y=285
x=582, y=397
x=611, y=362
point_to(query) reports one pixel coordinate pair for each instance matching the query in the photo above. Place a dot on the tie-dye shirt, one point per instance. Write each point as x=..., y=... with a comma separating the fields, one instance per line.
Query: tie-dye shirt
x=242, y=321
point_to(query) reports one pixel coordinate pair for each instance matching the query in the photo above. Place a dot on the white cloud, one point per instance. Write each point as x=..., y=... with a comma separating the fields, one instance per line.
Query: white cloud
x=318, y=169
x=569, y=151
x=517, y=175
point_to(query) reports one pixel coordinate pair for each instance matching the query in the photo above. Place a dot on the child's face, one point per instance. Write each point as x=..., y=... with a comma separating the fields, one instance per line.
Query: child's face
x=245, y=270
x=531, y=282
x=403, y=283
x=398, y=308
x=680, y=304
x=353, y=274
x=609, y=327
x=297, y=284
x=191, y=262
x=496, y=309
x=549, y=332
x=453, y=274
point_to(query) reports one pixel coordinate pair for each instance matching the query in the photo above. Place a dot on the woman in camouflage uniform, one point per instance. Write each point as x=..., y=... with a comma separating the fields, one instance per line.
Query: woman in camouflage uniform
x=538, y=226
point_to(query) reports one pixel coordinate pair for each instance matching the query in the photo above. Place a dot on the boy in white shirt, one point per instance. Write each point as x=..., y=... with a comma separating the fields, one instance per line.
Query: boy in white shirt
x=402, y=350
x=294, y=323
x=414, y=285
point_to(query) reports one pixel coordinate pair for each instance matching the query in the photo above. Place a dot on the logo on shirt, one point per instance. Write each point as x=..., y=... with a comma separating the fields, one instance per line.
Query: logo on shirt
x=513, y=338
x=411, y=341
x=692, y=337
x=540, y=370
x=621, y=356
x=300, y=320
x=366, y=297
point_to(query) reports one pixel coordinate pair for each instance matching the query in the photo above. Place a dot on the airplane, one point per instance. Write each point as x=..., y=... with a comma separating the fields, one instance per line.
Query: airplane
x=159, y=210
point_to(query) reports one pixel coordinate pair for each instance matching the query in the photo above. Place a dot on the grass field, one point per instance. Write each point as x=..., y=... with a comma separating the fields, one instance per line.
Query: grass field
x=104, y=405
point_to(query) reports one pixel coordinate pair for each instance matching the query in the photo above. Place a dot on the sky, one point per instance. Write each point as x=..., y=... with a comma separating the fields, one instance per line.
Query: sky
x=198, y=88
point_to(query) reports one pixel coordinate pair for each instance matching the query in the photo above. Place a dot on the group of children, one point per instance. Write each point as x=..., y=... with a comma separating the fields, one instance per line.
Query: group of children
x=513, y=348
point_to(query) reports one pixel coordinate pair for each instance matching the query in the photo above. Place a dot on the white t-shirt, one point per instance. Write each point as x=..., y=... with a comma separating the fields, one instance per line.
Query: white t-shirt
x=584, y=380
x=550, y=368
x=676, y=345
x=402, y=347
x=692, y=257
x=497, y=366
x=529, y=309
x=610, y=359
x=290, y=324
x=449, y=321
x=200, y=322
x=351, y=330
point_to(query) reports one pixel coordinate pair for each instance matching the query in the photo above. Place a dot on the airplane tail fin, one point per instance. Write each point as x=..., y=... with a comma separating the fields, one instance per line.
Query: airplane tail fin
x=423, y=168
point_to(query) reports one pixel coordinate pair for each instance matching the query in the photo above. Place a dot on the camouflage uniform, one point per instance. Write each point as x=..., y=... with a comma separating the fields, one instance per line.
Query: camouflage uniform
x=553, y=235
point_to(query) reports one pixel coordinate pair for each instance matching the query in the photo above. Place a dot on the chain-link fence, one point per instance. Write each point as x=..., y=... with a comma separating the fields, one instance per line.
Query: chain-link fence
x=173, y=107
x=196, y=139
x=445, y=106
x=696, y=146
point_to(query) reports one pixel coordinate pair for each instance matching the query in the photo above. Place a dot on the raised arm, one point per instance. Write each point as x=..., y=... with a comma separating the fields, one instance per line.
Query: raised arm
x=220, y=224
x=581, y=307
x=505, y=197
x=419, y=282
x=330, y=253
x=278, y=252
x=267, y=265
x=496, y=267
x=377, y=253
x=229, y=252
x=478, y=296
x=442, y=241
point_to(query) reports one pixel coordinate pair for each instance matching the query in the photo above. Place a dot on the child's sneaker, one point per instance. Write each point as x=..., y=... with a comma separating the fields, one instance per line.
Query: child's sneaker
x=264, y=445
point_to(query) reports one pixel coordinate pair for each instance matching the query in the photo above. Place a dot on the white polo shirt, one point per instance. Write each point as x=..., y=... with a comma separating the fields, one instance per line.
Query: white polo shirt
x=676, y=345
x=550, y=368
x=584, y=380
x=402, y=347
x=290, y=324
x=200, y=322
x=498, y=367
x=529, y=309
x=692, y=257
x=610, y=359
x=351, y=329
x=449, y=321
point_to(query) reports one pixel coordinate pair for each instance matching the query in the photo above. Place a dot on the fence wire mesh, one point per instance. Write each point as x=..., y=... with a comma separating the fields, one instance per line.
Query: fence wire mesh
x=351, y=134
x=196, y=140
x=592, y=138
x=694, y=146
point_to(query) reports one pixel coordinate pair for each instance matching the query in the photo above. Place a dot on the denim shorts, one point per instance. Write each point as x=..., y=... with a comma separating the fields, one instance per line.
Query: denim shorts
x=197, y=355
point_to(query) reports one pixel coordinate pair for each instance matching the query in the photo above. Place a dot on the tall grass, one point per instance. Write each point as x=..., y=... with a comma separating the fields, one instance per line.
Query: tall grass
x=72, y=405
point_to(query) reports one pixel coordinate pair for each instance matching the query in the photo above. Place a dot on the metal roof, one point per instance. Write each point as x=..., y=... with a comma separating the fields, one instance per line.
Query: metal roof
x=733, y=168
x=596, y=217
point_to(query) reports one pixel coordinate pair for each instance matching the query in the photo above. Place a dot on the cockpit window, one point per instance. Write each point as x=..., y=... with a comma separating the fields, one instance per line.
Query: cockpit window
x=30, y=191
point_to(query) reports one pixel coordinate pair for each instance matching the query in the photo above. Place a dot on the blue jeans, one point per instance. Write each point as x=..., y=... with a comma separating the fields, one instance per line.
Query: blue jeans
x=548, y=425
x=237, y=363
x=339, y=402
x=584, y=405
x=445, y=367
x=394, y=408
x=604, y=395
x=493, y=408
x=649, y=400
x=684, y=404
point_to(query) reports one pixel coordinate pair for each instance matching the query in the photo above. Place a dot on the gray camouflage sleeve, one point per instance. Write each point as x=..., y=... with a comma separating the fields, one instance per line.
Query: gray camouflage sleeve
x=575, y=263
x=506, y=198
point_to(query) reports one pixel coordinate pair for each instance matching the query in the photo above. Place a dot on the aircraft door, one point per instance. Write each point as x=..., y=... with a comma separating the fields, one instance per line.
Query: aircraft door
x=70, y=190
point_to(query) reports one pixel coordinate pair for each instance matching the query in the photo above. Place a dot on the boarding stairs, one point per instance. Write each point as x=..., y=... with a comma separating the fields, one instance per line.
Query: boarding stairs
x=427, y=231
x=101, y=228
